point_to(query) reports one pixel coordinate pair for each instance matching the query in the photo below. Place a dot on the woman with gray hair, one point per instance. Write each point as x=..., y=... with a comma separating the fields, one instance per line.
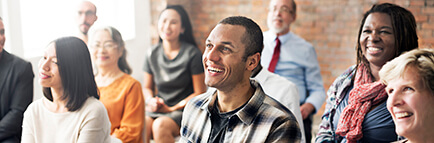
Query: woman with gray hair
x=120, y=93
x=410, y=86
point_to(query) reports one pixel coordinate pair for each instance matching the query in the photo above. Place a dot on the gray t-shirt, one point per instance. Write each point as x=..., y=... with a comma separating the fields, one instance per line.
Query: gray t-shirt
x=173, y=77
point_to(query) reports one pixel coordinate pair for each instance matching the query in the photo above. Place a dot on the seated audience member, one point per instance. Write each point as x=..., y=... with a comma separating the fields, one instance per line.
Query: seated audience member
x=16, y=91
x=70, y=111
x=356, y=106
x=410, y=86
x=120, y=93
x=173, y=75
x=238, y=110
x=282, y=90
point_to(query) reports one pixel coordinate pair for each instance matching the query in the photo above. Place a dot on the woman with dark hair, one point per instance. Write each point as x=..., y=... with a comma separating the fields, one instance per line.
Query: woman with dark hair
x=70, y=110
x=174, y=69
x=356, y=108
x=120, y=93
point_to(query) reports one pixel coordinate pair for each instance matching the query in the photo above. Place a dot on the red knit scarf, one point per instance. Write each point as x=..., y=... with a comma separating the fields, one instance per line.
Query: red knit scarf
x=363, y=96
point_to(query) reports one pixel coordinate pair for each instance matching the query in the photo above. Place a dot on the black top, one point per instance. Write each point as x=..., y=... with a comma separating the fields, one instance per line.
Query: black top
x=219, y=123
x=16, y=93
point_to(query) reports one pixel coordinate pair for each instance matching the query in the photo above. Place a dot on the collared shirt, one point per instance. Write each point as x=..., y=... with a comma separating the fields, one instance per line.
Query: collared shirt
x=262, y=119
x=298, y=63
x=283, y=91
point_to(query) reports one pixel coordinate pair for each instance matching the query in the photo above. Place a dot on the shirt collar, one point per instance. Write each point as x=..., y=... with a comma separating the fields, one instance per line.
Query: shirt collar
x=261, y=76
x=249, y=111
x=283, y=38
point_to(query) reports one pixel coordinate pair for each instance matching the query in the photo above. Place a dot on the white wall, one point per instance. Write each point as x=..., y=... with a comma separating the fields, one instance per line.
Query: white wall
x=10, y=12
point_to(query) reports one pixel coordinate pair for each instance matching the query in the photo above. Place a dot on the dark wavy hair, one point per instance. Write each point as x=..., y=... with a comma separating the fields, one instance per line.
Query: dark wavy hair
x=75, y=69
x=187, y=36
x=117, y=38
x=252, y=38
x=404, y=29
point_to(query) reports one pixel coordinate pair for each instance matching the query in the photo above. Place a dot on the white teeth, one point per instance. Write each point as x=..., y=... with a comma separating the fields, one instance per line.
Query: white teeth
x=373, y=49
x=403, y=114
x=211, y=69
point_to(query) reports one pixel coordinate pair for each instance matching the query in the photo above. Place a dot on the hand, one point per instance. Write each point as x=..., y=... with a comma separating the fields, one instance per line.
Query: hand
x=163, y=108
x=114, y=139
x=306, y=109
x=153, y=104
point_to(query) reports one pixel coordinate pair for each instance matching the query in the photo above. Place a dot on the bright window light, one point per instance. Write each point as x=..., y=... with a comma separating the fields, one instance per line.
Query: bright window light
x=46, y=20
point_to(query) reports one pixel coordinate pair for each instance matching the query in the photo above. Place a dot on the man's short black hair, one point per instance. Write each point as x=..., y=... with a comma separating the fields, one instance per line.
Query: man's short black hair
x=252, y=38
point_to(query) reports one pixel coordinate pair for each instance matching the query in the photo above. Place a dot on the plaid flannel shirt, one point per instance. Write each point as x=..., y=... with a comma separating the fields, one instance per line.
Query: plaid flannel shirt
x=262, y=119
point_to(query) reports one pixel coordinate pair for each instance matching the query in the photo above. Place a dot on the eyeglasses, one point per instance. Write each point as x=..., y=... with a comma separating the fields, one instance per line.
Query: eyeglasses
x=87, y=13
x=105, y=45
x=282, y=9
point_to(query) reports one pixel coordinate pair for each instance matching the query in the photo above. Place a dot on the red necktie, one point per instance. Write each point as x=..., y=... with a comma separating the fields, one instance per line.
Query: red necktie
x=275, y=57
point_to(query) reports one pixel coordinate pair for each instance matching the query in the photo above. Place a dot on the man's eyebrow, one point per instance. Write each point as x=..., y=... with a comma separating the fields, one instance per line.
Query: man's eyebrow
x=228, y=43
x=224, y=42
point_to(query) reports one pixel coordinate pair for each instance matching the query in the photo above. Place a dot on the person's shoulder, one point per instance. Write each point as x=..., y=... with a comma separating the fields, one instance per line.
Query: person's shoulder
x=35, y=108
x=153, y=49
x=275, y=109
x=346, y=76
x=16, y=61
x=187, y=45
x=349, y=70
x=35, y=104
x=200, y=99
x=128, y=79
x=93, y=105
x=294, y=38
x=93, y=110
x=268, y=35
x=190, y=48
x=279, y=79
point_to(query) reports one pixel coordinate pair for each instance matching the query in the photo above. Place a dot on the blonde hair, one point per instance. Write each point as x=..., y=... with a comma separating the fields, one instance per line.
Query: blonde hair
x=422, y=60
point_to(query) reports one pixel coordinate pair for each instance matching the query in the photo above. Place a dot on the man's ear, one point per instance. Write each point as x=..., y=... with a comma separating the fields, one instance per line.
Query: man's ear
x=253, y=61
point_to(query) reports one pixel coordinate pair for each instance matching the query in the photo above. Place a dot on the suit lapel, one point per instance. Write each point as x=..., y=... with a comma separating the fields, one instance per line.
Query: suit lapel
x=5, y=68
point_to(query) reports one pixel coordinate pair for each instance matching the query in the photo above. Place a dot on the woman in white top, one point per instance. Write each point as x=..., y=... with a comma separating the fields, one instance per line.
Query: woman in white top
x=70, y=111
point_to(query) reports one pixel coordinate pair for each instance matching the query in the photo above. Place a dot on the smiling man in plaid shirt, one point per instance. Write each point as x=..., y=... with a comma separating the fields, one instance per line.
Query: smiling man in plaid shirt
x=237, y=110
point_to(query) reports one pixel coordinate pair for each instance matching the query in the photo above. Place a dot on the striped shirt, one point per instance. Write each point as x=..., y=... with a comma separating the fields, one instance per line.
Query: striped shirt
x=262, y=119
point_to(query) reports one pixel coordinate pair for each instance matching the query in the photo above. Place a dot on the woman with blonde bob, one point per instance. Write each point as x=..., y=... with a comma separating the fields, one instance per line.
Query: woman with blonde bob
x=410, y=86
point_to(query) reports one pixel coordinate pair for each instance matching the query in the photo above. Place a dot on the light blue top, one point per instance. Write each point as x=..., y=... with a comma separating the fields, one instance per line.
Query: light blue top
x=298, y=63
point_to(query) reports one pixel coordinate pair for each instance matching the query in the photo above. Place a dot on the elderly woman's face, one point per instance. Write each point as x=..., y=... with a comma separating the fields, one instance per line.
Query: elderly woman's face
x=411, y=104
x=104, y=51
x=377, y=39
